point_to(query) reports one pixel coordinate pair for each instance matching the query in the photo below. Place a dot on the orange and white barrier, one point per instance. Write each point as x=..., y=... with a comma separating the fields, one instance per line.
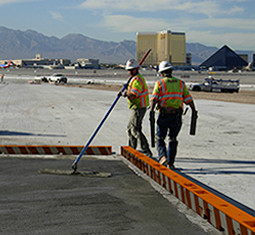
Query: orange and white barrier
x=54, y=149
x=220, y=213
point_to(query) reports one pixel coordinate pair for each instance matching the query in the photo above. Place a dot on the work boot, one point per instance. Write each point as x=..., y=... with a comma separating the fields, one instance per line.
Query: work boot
x=147, y=153
x=171, y=166
x=163, y=160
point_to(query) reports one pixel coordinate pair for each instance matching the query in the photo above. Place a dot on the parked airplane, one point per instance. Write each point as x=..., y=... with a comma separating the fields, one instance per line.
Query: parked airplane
x=249, y=67
x=6, y=65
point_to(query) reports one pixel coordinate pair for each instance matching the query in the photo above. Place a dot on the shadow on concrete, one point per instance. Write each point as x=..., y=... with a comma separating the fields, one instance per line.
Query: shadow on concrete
x=234, y=166
x=16, y=133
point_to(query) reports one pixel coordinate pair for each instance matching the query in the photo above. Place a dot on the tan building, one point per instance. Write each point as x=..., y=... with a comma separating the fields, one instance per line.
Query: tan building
x=165, y=45
x=88, y=63
x=38, y=61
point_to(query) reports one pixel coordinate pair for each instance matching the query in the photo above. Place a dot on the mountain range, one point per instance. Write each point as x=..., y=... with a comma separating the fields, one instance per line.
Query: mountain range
x=16, y=44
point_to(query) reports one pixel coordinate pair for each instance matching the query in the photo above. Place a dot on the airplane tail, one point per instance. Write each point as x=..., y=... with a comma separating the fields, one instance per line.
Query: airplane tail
x=9, y=64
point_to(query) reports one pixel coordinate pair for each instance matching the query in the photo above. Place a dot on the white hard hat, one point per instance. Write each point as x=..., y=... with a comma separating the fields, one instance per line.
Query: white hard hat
x=132, y=64
x=163, y=66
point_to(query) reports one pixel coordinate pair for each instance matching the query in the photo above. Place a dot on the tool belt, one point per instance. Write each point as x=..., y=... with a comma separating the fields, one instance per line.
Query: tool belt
x=170, y=110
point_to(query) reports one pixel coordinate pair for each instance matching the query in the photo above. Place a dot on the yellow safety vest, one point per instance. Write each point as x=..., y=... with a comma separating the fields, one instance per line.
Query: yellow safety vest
x=171, y=92
x=139, y=88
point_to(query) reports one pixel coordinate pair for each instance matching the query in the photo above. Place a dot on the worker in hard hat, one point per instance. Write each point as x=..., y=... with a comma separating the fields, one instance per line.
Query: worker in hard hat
x=138, y=100
x=168, y=95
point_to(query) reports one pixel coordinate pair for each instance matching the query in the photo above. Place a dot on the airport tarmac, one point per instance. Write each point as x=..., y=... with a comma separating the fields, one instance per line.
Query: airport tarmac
x=118, y=76
x=220, y=155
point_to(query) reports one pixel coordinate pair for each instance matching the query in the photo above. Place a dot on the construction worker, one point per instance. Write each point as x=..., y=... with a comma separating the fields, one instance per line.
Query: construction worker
x=168, y=95
x=138, y=100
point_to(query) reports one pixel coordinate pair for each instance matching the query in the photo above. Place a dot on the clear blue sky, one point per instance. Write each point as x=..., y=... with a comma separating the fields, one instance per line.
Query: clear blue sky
x=210, y=22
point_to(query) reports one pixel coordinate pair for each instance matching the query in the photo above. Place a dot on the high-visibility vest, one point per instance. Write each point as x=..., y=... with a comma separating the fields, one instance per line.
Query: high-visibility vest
x=139, y=88
x=171, y=92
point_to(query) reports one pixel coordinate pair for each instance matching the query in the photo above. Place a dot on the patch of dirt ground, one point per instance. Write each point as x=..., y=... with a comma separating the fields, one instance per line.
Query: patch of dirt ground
x=244, y=96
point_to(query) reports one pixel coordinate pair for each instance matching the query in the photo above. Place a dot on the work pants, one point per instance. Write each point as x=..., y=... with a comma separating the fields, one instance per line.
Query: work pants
x=168, y=124
x=134, y=130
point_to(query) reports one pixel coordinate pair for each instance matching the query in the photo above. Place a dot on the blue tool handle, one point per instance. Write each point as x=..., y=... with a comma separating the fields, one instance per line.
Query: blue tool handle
x=74, y=165
x=96, y=131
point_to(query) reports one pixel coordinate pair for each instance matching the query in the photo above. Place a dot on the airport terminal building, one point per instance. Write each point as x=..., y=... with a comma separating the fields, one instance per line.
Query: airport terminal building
x=164, y=45
x=38, y=61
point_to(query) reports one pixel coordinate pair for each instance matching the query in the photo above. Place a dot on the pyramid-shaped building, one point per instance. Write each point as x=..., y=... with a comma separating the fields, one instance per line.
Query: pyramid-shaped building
x=224, y=59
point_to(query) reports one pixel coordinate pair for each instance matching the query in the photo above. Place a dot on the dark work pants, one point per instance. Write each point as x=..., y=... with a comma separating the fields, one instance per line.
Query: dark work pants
x=168, y=124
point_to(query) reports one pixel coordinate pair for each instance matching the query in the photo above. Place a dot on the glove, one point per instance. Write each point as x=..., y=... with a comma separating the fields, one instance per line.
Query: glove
x=152, y=115
x=124, y=93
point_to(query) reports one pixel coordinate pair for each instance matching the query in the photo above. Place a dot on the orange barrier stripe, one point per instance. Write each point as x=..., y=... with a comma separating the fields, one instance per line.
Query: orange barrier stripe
x=32, y=150
x=217, y=219
x=23, y=149
x=61, y=149
x=46, y=149
x=54, y=149
x=74, y=150
x=10, y=150
x=220, y=213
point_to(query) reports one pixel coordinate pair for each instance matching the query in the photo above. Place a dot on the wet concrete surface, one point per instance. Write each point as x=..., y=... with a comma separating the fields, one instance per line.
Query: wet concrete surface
x=34, y=203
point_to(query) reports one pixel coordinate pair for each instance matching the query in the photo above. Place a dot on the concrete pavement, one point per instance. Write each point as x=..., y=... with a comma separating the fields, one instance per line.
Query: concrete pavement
x=34, y=203
x=220, y=155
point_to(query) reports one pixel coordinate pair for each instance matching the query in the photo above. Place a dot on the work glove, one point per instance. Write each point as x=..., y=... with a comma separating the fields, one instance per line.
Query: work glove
x=152, y=116
x=124, y=93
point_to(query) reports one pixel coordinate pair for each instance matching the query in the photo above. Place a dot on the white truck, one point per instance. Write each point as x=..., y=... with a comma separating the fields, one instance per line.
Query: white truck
x=216, y=85
x=57, y=78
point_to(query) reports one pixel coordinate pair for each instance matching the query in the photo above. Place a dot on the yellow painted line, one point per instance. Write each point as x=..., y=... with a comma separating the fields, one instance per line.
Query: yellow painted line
x=217, y=211
x=54, y=149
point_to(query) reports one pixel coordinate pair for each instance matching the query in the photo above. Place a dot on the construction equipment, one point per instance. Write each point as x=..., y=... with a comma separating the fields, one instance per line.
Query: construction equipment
x=216, y=85
x=152, y=124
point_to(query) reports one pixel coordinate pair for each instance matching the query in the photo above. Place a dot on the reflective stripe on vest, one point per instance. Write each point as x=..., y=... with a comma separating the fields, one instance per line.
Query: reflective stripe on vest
x=187, y=99
x=174, y=95
x=142, y=95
